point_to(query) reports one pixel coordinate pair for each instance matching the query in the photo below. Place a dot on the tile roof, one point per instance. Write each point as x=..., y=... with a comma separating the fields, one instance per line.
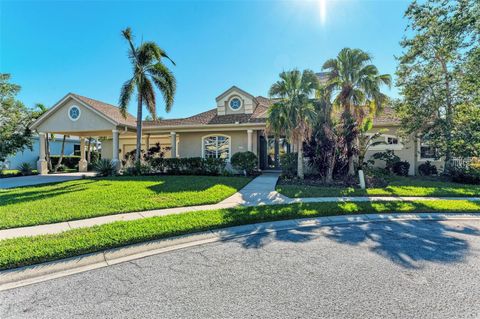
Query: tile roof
x=109, y=110
x=210, y=117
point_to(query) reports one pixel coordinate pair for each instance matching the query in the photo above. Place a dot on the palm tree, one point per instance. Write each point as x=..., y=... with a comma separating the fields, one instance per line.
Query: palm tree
x=148, y=71
x=365, y=141
x=355, y=83
x=293, y=113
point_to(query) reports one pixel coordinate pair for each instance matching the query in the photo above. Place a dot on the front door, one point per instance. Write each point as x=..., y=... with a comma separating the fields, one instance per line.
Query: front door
x=271, y=149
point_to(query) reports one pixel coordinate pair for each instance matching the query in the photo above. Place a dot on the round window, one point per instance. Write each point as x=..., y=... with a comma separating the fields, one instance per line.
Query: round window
x=74, y=112
x=235, y=103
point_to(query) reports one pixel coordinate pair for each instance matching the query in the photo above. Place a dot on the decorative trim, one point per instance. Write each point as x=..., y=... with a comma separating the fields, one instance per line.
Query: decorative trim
x=232, y=97
x=79, y=112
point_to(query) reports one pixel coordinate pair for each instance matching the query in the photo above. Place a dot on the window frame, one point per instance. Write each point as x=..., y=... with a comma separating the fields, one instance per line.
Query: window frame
x=216, y=144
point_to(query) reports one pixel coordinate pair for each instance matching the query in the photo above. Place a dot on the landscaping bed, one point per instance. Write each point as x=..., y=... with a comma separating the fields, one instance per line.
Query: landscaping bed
x=396, y=186
x=24, y=251
x=79, y=199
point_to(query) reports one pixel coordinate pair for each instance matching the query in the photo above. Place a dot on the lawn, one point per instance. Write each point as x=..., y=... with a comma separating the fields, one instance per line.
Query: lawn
x=24, y=251
x=398, y=186
x=50, y=203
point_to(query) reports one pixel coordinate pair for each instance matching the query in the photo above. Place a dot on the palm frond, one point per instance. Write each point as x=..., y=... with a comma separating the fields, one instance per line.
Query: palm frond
x=125, y=95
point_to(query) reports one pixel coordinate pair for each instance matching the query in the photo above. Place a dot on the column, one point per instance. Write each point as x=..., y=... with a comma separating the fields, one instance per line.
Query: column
x=148, y=142
x=83, y=164
x=115, y=149
x=249, y=140
x=173, y=136
x=42, y=165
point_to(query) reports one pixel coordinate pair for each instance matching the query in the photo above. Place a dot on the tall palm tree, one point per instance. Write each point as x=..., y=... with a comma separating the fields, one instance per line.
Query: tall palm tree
x=148, y=71
x=293, y=113
x=355, y=83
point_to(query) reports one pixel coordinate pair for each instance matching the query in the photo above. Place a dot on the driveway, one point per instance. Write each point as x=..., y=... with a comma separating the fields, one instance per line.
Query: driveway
x=407, y=269
x=11, y=182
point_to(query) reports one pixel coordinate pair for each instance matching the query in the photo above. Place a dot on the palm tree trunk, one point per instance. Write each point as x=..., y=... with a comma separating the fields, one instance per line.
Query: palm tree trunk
x=61, y=155
x=351, y=166
x=300, y=173
x=139, y=129
x=330, y=167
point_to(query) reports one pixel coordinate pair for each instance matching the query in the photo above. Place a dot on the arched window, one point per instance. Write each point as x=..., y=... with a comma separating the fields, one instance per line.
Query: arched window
x=216, y=146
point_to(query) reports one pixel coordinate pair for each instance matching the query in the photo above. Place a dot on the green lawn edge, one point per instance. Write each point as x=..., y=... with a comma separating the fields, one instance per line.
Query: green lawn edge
x=102, y=196
x=437, y=190
x=24, y=251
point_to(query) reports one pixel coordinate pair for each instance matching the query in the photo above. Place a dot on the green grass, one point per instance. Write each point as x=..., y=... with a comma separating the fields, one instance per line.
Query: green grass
x=31, y=250
x=398, y=186
x=50, y=203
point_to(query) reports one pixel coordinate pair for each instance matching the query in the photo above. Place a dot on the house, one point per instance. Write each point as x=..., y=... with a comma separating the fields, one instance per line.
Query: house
x=237, y=123
x=30, y=156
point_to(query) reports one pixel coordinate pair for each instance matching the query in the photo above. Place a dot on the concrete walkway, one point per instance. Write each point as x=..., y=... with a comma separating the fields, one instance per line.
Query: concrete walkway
x=11, y=182
x=260, y=191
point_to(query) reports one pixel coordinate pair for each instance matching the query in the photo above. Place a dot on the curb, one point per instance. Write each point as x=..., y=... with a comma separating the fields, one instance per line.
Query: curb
x=28, y=275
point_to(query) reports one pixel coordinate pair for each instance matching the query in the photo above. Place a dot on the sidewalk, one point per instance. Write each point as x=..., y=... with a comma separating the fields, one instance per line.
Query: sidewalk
x=260, y=191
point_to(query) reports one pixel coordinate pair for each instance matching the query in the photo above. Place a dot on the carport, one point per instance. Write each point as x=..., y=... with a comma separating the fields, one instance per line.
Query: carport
x=80, y=116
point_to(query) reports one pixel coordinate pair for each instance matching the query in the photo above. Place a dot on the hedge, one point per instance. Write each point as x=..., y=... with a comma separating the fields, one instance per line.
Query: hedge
x=188, y=166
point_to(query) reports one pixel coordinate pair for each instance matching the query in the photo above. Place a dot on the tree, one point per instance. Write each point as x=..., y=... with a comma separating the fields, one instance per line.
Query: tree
x=293, y=113
x=148, y=71
x=355, y=83
x=15, y=135
x=436, y=73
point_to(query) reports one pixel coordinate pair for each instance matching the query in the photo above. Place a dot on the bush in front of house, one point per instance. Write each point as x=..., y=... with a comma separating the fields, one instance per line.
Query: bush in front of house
x=401, y=168
x=105, y=167
x=465, y=174
x=69, y=161
x=188, y=166
x=25, y=169
x=245, y=161
x=289, y=164
x=427, y=169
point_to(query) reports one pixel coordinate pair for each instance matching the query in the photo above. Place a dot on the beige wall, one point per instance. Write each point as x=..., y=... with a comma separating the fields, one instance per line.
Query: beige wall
x=247, y=106
x=190, y=144
x=87, y=122
x=128, y=143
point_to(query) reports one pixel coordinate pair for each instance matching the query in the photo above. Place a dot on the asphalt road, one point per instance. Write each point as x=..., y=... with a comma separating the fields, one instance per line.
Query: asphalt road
x=377, y=270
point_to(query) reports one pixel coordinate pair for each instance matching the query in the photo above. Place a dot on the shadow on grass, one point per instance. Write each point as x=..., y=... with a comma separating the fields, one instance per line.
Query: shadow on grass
x=405, y=243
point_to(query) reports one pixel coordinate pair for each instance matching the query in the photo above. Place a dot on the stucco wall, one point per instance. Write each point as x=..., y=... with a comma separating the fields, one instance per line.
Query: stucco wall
x=128, y=143
x=405, y=149
x=60, y=122
x=190, y=144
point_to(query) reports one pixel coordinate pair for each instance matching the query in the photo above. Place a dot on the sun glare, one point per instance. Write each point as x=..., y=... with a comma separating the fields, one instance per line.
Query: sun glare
x=323, y=11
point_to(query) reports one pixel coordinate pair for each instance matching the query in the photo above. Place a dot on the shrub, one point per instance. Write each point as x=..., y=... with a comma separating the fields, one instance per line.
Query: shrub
x=465, y=174
x=245, y=161
x=389, y=157
x=214, y=166
x=427, y=169
x=401, y=168
x=188, y=166
x=138, y=169
x=25, y=169
x=289, y=164
x=105, y=167
x=70, y=161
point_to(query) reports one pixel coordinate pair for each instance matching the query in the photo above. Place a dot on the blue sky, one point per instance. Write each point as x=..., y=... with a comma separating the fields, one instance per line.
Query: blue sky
x=52, y=48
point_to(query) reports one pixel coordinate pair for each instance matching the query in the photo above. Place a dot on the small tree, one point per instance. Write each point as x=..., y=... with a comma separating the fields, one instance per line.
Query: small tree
x=293, y=113
x=365, y=141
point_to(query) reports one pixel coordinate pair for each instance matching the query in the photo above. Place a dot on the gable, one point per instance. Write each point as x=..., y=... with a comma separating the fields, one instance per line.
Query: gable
x=228, y=100
x=60, y=121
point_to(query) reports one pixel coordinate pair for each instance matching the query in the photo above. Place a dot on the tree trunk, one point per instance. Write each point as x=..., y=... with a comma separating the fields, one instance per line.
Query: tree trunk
x=61, y=154
x=89, y=149
x=330, y=168
x=351, y=166
x=448, y=117
x=139, y=130
x=300, y=173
